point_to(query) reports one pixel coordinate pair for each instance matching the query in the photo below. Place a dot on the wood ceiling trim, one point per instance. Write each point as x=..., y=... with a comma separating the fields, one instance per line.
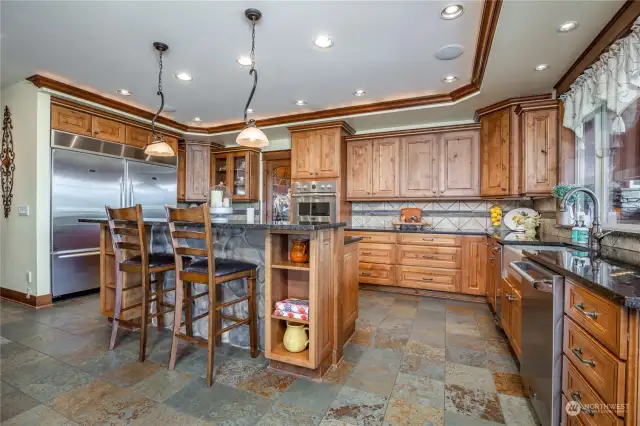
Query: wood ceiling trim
x=615, y=29
x=413, y=132
x=323, y=125
x=48, y=83
x=512, y=102
x=488, y=24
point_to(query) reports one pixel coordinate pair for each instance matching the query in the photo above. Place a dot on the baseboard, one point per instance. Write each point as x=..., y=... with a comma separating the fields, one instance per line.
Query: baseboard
x=424, y=293
x=37, y=302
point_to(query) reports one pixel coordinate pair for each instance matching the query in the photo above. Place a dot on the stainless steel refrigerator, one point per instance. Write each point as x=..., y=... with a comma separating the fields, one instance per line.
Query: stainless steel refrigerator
x=86, y=175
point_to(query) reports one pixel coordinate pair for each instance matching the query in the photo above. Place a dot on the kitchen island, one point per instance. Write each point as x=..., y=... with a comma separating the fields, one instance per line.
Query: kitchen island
x=332, y=296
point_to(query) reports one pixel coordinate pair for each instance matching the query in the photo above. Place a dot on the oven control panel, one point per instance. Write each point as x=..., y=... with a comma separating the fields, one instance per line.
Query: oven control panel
x=315, y=187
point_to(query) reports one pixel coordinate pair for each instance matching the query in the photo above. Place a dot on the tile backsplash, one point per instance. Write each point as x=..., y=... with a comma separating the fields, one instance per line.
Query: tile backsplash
x=443, y=215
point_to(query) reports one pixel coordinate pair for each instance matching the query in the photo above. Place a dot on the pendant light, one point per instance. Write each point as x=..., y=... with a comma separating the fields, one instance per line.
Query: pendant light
x=251, y=136
x=159, y=147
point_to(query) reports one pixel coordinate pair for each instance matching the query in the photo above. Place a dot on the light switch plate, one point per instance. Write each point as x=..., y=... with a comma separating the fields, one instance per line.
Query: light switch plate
x=23, y=210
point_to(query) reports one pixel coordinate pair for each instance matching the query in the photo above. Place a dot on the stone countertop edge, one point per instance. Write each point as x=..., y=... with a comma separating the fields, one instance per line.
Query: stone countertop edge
x=244, y=225
x=628, y=301
x=414, y=231
x=352, y=240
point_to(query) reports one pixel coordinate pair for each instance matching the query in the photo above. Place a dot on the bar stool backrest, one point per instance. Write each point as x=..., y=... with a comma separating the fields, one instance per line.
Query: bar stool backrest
x=128, y=234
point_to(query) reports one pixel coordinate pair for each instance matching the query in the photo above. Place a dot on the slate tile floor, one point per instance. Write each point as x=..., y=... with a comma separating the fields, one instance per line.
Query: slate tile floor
x=412, y=361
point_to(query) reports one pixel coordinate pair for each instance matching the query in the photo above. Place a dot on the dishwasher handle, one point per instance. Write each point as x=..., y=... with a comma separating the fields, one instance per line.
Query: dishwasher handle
x=541, y=284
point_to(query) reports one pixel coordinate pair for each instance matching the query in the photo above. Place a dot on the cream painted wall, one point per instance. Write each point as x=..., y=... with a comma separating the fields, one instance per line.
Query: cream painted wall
x=25, y=240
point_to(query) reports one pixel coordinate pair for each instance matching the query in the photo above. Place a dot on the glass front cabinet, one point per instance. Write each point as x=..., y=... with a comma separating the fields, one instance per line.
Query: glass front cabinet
x=238, y=170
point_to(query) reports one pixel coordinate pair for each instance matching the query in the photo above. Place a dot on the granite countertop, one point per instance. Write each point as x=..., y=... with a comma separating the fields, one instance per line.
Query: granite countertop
x=512, y=238
x=242, y=224
x=352, y=240
x=413, y=230
x=607, y=274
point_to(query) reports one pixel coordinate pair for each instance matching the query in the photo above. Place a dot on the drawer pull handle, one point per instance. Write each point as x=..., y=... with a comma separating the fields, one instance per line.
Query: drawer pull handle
x=427, y=239
x=578, y=398
x=578, y=354
x=492, y=258
x=427, y=279
x=510, y=298
x=365, y=274
x=427, y=257
x=580, y=307
x=366, y=253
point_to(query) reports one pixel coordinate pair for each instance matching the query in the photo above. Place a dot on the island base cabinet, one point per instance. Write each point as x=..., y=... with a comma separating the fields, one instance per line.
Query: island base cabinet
x=428, y=278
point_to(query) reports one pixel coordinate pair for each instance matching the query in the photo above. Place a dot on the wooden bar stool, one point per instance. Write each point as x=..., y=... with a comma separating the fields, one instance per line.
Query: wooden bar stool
x=208, y=270
x=128, y=235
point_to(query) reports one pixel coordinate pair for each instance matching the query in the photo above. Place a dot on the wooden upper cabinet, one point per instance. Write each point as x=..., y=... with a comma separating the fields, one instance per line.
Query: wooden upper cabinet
x=540, y=150
x=181, y=173
x=138, y=137
x=71, y=121
x=418, y=168
x=326, y=153
x=459, y=164
x=495, y=153
x=173, y=142
x=197, y=163
x=359, y=169
x=301, y=155
x=386, y=154
x=108, y=130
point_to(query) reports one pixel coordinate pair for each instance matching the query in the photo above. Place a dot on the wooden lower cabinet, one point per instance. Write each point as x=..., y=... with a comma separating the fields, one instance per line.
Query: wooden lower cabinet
x=377, y=253
x=474, y=259
x=428, y=278
x=511, y=315
x=376, y=273
x=349, y=294
x=436, y=257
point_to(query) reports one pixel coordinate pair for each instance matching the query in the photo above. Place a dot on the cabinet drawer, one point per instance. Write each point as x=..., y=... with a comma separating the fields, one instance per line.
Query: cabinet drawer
x=602, y=370
x=436, y=257
x=603, y=319
x=373, y=237
x=377, y=253
x=428, y=278
x=376, y=273
x=576, y=388
x=430, y=240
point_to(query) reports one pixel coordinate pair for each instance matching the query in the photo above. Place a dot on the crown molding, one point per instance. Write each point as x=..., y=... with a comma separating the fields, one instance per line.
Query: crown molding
x=512, y=102
x=413, y=132
x=323, y=125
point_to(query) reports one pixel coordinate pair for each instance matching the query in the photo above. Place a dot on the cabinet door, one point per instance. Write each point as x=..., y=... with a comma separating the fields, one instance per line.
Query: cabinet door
x=239, y=173
x=108, y=130
x=491, y=282
x=418, y=167
x=326, y=153
x=459, y=164
x=474, y=265
x=182, y=173
x=540, y=145
x=302, y=163
x=505, y=315
x=349, y=288
x=220, y=170
x=138, y=137
x=71, y=121
x=494, y=141
x=516, y=323
x=197, y=172
x=386, y=170
x=172, y=141
x=359, y=169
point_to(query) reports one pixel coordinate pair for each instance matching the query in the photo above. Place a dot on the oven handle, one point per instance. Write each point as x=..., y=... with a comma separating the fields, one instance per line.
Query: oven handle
x=315, y=194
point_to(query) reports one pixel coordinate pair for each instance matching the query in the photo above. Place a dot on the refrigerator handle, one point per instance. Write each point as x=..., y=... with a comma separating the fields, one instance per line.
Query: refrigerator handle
x=131, y=194
x=122, y=196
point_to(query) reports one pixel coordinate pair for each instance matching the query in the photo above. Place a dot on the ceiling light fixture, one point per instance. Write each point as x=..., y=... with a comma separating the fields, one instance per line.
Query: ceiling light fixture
x=301, y=102
x=159, y=147
x=323, y=41
x=184, y=76
x=449, y=79
x=452, y=11
x=245, y=61
x=198, y=119
x=568, y=26
x=359, y=92
x=541, y=67
x=124, y=92
x=252, y=136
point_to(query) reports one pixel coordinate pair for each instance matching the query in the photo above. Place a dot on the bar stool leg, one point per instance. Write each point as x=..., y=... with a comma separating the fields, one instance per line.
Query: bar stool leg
x=146, y=287
x=188, y=309
x=177, y=319
x=116, y=309
x=218, y=317
x=159, y=279
x=253, y=330
x=212, y=333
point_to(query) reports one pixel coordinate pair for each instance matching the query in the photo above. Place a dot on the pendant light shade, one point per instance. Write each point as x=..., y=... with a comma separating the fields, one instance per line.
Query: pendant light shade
x=159, y=148
x=251, y=136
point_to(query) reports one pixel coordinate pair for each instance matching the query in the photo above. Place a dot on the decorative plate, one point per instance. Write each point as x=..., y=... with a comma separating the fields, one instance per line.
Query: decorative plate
x=511, y=216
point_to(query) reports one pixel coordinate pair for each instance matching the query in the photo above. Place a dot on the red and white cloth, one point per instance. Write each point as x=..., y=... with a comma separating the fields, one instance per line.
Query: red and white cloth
x=293, y=308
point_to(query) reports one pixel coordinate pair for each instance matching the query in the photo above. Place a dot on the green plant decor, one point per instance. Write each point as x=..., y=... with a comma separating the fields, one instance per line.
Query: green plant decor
x=561, y=189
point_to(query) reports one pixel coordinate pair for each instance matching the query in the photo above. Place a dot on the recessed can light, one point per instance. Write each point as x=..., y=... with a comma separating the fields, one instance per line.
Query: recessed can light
x=359, y=92
x=249, y=110
x=301, y=102
x=245, y=61
x=184, y=76
x=197, y=119
x=323, y=41
x=568, y=26
x=452, y=11
x=124, y=92
x=449, y=79
x=541, y=67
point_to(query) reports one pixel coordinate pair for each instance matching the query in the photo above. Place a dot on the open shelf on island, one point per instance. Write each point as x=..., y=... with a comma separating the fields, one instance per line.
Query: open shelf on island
x=287, y=264
x=300, y=321
x=279, y=353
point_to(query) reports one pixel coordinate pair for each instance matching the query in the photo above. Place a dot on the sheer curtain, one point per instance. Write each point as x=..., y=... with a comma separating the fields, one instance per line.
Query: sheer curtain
x=613, y=81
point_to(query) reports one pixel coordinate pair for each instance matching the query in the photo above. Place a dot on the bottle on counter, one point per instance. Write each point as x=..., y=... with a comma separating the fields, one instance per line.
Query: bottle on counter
x=580, y=233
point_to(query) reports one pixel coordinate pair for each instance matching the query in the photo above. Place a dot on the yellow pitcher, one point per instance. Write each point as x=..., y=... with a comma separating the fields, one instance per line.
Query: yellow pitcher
x=295, y=338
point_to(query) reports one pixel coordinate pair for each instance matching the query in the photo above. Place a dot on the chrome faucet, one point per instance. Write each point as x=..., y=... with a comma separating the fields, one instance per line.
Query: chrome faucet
x=595, y=233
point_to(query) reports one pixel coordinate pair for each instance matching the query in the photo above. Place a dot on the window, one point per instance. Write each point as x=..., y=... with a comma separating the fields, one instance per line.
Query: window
x=609, y=164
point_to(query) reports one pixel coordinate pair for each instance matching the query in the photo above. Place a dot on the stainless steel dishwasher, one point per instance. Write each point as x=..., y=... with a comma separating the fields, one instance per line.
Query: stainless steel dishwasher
x=541, y=356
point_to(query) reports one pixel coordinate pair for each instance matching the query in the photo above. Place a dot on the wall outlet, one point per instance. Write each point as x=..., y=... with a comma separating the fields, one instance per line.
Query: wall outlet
x=23, y=210
x=29, y=277
x=28, y=292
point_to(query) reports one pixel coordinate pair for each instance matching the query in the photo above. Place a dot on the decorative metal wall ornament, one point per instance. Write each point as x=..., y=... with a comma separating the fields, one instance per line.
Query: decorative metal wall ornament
x=8, y=165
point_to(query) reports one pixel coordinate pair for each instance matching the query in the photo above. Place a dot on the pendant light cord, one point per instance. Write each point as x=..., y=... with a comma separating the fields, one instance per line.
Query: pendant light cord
x=153, y=121
x=253, y=71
